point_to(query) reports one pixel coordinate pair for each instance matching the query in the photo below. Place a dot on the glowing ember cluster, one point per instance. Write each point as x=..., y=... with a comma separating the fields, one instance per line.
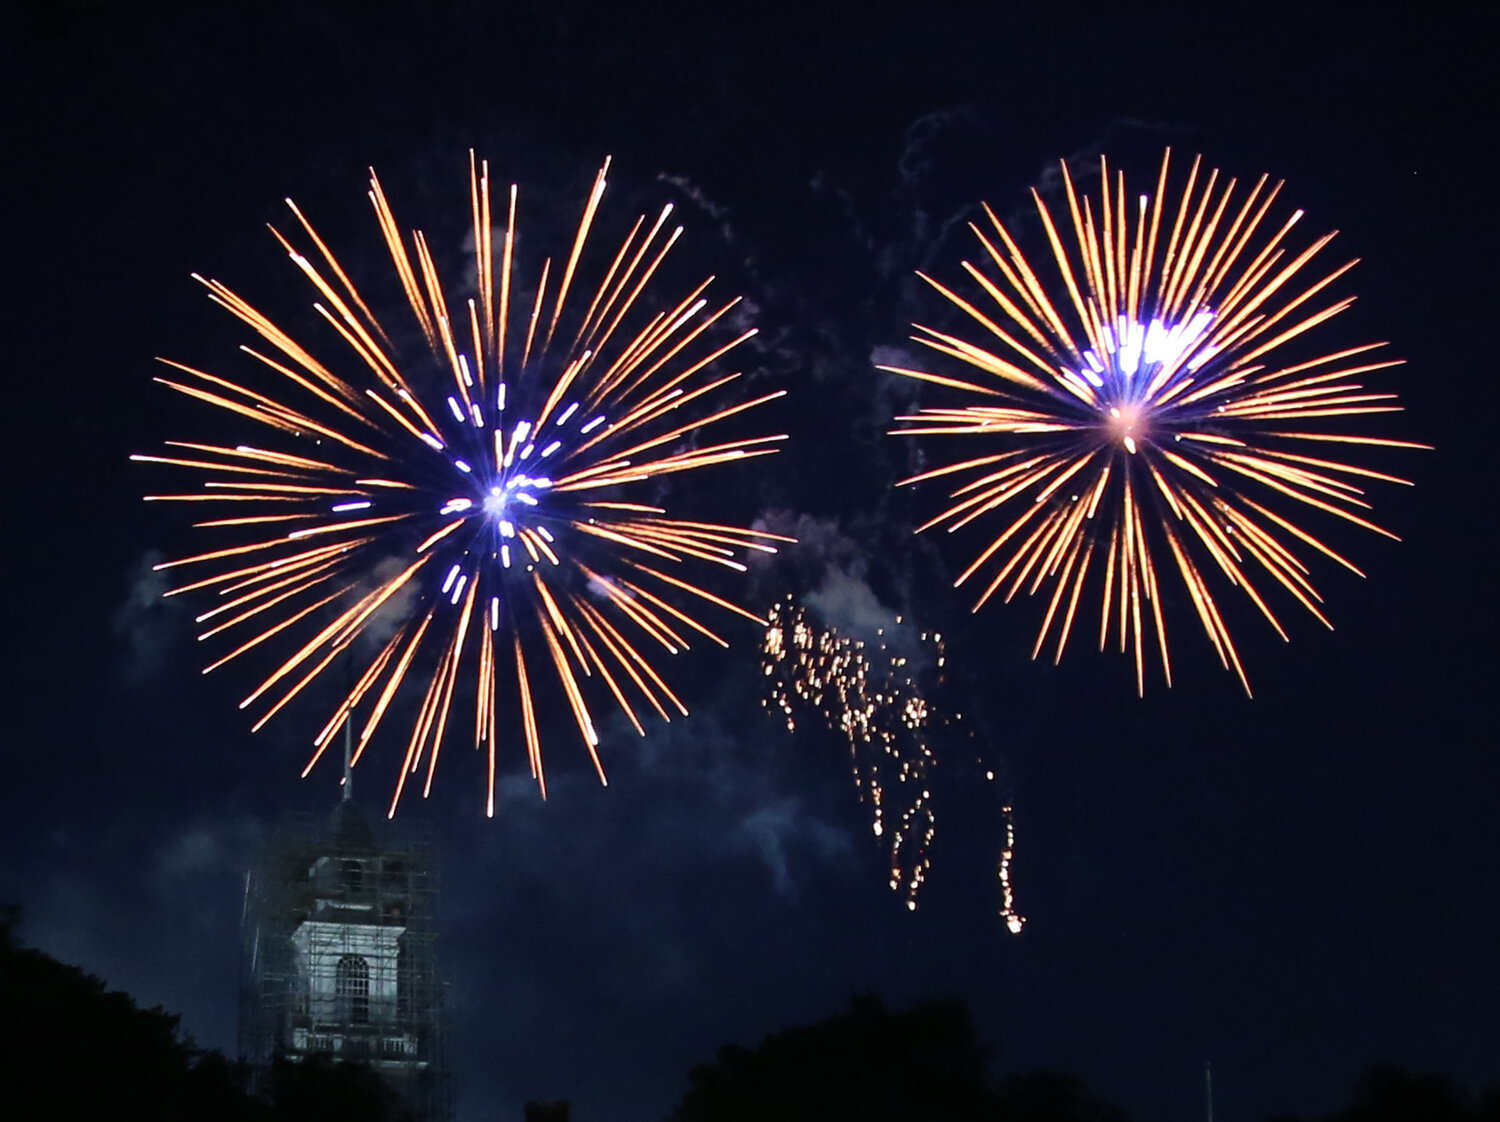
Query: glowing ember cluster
x=1014, y=920
x=477, y=506
x=1161, y=407
x=867, y=694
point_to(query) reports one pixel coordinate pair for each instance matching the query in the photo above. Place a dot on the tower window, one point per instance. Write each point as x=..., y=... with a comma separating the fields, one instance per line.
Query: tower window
x=352, y=988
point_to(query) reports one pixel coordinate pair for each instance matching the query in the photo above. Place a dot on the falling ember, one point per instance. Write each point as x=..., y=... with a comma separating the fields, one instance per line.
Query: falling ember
x=472, y=510
x=1014, y=920
x=867, y=693
x=1149, y=425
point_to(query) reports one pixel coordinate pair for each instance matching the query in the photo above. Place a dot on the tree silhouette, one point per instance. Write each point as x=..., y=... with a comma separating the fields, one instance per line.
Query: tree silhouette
x=867, y=1063
x=1387, y=1093
x=71, y=1050
x=1051, y=1096
x=1390, y=1093
x=319, y=1090
x=922, y=1064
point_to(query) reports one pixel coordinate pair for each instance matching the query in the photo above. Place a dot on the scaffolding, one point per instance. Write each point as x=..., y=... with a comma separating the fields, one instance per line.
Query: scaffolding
x=340, y=955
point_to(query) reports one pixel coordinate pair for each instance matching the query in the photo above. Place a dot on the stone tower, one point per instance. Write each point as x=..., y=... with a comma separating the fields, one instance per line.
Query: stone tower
x=340, y=957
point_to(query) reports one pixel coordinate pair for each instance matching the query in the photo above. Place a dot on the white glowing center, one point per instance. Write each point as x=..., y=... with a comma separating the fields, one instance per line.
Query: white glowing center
x=1135, y=366
x=1127, y=424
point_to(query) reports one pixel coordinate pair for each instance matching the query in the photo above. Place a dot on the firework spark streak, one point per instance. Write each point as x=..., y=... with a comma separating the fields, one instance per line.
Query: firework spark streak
x=868, y=695
x=480, y=507
x=1153, y=411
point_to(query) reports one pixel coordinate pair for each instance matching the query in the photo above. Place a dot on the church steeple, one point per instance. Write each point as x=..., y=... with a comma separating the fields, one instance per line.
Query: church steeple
x=340, y=944
x=348, y=781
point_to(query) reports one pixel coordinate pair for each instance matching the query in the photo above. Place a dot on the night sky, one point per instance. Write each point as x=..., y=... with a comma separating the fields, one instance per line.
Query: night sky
x=1291, y=887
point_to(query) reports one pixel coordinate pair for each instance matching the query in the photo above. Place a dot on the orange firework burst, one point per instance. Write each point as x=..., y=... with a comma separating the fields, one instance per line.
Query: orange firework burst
x=480, y=506
x=1155, y=409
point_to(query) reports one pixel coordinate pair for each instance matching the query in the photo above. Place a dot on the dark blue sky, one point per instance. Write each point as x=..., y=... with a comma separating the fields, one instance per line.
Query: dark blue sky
x=1292, y=886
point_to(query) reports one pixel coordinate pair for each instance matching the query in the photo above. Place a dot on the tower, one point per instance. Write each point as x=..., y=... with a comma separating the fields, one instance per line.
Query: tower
x=339, y=955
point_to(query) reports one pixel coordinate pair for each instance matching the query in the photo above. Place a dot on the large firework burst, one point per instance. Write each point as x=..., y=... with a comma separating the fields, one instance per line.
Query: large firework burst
x=1161, y=406
x=480, y=506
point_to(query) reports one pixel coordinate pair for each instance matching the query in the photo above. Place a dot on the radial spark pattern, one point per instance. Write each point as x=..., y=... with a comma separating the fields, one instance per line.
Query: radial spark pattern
x=1163, y=418
x=478, y=512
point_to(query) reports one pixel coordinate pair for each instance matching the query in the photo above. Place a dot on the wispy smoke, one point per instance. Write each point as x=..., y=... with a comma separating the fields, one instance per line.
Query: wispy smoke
x=147, y=625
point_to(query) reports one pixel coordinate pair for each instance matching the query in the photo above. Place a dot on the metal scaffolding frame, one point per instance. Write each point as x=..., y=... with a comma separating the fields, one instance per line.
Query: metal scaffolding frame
x=339, y=956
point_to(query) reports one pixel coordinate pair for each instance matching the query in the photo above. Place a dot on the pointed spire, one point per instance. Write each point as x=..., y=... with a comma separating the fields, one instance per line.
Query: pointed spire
x=348, y=780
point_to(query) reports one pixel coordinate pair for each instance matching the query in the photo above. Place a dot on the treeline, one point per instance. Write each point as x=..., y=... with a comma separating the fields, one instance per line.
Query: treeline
x=875, y=1064
x=1387, y=1093
x=72, y=1050
x=926, y=1064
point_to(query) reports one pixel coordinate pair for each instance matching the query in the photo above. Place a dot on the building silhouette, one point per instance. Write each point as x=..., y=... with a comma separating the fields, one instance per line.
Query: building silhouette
x=340, y=954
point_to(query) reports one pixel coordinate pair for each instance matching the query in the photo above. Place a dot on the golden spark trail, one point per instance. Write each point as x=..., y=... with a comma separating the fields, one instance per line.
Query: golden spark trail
x=867, y=692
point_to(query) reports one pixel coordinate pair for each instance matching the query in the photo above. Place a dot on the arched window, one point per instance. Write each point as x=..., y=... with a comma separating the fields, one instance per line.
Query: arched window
x=351, y=876
x=352, y=988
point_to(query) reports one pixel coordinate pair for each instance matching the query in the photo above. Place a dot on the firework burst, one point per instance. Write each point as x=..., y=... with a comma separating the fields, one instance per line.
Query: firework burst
x=1154, y=420
x=481, y=507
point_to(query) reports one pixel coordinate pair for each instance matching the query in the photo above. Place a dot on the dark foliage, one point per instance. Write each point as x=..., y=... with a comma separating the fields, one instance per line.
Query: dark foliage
x=1050, y=1096
x=875, y=1064
x=319, y=1090
x=72, y=1050
x=1388, y=1093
